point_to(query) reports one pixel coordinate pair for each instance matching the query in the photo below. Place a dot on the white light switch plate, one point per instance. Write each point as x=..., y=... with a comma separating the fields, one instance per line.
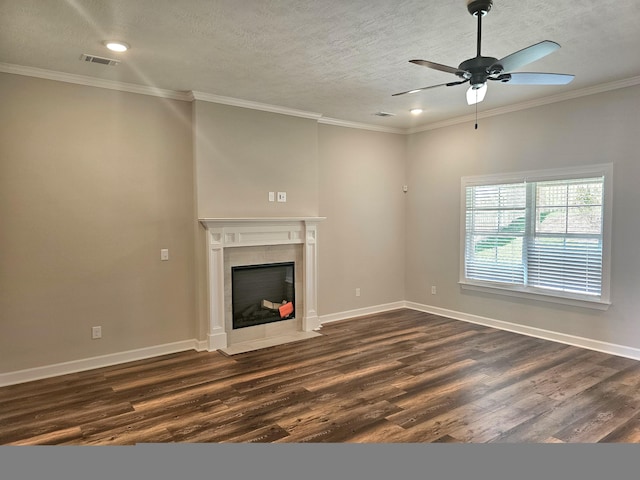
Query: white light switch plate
x=164, y=254
x=96, y=332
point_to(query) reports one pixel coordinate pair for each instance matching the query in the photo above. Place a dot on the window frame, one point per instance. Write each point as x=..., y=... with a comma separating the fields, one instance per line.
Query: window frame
x=601, y=302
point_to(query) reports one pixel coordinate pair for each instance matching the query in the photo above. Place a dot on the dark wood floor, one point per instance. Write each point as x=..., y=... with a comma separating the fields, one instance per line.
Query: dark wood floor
x=401, y=376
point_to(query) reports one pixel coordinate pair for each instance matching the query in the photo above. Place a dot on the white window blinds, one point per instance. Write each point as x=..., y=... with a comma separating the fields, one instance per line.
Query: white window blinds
x=565, y=253
x=496, y=216
x=539, y=236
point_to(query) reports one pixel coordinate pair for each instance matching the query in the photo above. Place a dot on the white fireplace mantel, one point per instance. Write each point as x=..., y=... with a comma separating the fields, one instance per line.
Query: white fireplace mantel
x=262, y=231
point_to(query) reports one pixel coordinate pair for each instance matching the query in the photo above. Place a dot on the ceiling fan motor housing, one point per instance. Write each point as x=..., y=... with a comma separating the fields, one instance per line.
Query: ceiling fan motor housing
x=477, y=69
x=479, y=7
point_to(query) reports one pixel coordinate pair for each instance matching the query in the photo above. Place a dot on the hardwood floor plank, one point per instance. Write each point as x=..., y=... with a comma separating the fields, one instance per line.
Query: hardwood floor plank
x=62, y=436
x=421, y=409
x=494, y=422
x=37, y=406
x=377, y=432
x=439, y=425
x=337, y=425
x=59, y=419
x=267, y=434
x=609, y=418
x=628, y=432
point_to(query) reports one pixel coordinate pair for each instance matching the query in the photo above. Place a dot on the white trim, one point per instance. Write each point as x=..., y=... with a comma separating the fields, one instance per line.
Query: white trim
x=537, y=294
x=237, y=102
x=94, y=82
x=74, y=366
x=361, y=126
x=582, y=342
x=583, y=92
x=224, y=221
x=200, y=345
x=207, y=97
x=37, y=373
x=359, y=312
x=560, y=173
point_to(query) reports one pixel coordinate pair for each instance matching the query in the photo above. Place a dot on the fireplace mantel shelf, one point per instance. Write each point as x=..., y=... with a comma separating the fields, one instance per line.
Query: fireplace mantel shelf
x=243, y=220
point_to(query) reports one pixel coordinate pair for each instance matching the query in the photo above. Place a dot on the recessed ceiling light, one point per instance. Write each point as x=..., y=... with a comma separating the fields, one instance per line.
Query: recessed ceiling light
x=116, y=46
x=416, y=111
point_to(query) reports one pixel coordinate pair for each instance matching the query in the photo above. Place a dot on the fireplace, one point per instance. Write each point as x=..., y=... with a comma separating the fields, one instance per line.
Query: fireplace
x=255, y=242
x=262, y=294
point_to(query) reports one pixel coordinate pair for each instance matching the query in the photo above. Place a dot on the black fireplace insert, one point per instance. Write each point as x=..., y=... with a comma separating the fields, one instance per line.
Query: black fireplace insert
x=262, y=293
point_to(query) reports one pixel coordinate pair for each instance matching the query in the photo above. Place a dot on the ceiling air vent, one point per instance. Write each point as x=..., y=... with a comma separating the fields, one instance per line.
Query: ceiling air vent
x=384, y=114
x=101, y=60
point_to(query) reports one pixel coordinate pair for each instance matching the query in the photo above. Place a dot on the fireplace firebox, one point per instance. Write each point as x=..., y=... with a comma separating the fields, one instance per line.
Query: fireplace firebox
x=262, y=293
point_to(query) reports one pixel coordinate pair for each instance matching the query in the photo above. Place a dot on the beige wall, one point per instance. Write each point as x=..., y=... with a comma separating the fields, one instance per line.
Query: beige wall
x=241, y=155
x=93, y=183
x=596, y=129
x=361, y=243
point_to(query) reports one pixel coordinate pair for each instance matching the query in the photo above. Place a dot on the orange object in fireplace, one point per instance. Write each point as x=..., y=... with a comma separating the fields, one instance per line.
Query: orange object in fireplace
x=286, y=310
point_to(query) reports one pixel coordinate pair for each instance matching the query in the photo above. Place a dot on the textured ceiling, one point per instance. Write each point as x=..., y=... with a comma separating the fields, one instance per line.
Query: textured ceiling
x=339, y=58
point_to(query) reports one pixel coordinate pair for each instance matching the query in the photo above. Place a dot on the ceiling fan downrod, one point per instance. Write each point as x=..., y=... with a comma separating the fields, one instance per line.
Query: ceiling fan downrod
x=479, y=8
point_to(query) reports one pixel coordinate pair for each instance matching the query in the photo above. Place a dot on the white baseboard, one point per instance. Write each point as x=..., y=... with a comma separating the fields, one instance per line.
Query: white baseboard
x=359, y=312
x=200, y=345
x=37, y=373
x=588, y=343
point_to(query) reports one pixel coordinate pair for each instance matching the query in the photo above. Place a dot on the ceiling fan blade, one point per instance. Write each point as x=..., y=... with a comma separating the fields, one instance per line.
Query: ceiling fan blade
x=523, y=78
x=437, y=66
x=416, y=90
x=526, y=55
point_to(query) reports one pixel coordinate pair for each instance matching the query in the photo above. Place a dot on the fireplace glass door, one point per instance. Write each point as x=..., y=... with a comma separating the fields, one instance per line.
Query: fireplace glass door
x=262, y=293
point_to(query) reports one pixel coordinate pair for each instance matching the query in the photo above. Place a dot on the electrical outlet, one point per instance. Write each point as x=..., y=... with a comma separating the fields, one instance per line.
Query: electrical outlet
x=357, y=292
x=433, y=290
x=282, y=196
x=96, y=332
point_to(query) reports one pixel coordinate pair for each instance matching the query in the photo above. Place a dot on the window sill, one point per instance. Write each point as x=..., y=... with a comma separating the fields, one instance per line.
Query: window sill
x=596, y=304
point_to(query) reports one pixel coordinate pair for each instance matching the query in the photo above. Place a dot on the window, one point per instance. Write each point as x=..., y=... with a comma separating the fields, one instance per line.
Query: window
x=539, y=233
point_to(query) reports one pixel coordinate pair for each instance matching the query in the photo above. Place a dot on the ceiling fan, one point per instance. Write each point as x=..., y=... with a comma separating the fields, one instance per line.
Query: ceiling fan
x=479, y=69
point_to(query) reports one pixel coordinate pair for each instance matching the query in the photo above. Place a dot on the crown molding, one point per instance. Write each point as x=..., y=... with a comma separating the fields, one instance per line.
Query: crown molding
x=93, y=82
x=361, y=126
x=583, y=92
x=237, y=102
x=190, y=96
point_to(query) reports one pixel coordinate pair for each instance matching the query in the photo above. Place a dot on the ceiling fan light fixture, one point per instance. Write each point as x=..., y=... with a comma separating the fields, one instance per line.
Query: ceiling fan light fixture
x=116, y=46
x=476, y=94
x=416, y=111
